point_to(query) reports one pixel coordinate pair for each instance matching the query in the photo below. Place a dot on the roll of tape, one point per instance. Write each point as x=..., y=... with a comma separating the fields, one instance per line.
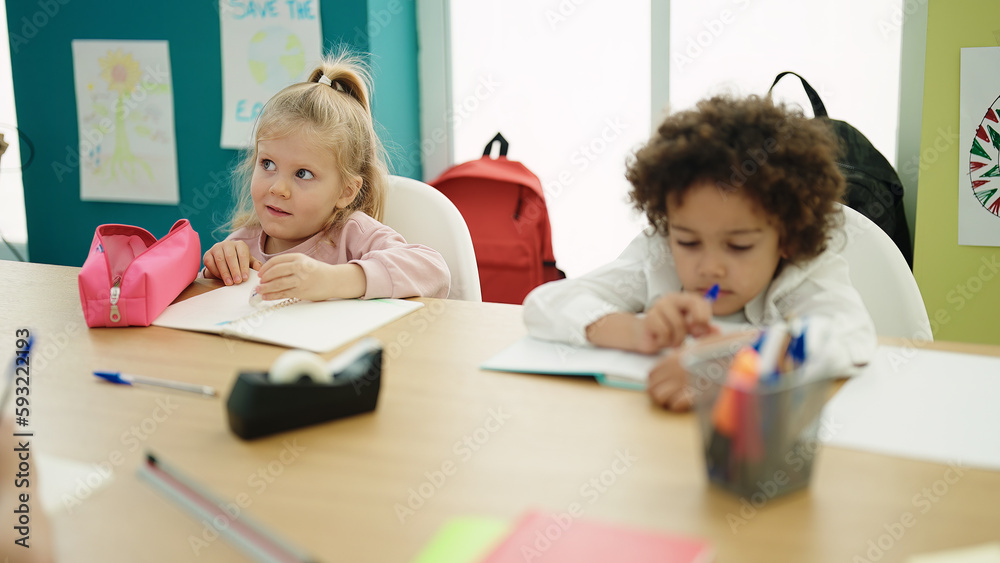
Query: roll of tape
x=293, y=365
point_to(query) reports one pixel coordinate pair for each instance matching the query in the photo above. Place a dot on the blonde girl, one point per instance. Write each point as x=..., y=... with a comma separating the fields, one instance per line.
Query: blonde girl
x=310, y=196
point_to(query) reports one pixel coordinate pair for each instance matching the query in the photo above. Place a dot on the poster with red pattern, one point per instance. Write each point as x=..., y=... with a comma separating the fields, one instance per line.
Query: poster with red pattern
x=979, y=148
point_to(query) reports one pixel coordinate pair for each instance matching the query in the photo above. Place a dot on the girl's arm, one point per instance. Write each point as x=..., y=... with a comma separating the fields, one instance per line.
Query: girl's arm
x=298, y=275
x=392, y=267
x=379, y=264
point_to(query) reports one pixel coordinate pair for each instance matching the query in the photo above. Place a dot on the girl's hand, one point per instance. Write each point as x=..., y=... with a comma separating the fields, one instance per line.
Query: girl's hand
x=668, y=386
x=298, y=275
x=671, y=319
x=230, y=261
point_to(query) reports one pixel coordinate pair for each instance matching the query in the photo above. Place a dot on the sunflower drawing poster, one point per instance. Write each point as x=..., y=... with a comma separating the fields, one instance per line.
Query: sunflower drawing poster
x=266, y=46
x=979, y=148
x=125, y=112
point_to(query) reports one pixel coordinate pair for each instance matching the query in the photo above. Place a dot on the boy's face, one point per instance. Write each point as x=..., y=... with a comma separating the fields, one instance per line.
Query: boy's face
x=722, y=238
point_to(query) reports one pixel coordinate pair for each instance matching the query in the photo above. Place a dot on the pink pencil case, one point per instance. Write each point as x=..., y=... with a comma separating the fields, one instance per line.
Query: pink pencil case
x=129, y=277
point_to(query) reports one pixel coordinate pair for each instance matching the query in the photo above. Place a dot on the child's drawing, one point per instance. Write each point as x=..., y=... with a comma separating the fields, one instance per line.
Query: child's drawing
x=126, y=121
x=984, y=160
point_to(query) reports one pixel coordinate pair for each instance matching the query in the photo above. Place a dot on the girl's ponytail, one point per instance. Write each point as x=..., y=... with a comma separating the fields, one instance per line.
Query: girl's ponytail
x=346, y=74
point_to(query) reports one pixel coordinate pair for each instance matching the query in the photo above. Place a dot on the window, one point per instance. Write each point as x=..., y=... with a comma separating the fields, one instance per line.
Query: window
x=568, y=85
x=849, y=52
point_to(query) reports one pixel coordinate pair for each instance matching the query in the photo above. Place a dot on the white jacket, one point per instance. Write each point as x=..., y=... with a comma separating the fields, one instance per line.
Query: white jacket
x=820, y=290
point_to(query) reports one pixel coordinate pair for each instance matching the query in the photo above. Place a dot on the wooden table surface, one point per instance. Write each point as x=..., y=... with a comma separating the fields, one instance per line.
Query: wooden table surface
x=446, y=440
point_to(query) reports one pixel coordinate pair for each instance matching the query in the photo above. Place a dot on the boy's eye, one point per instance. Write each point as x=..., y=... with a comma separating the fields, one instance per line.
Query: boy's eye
x=688, y=243
x=267, y=164
x=304, y=174
x=740, y=247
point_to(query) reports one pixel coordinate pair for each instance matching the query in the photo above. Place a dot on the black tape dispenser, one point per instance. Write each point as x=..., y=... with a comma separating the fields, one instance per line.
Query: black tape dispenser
x=302, y=389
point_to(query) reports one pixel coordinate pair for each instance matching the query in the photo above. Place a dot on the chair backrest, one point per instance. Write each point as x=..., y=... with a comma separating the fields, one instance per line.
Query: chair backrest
x=880, y=274
x=425, y=216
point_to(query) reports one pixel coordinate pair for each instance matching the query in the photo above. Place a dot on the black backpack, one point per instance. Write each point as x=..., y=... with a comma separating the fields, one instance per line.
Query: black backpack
x=873, y=187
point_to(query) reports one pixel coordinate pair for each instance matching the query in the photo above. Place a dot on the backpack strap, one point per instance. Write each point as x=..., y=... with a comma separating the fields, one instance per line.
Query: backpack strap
x=498, y=139
x=819, y=110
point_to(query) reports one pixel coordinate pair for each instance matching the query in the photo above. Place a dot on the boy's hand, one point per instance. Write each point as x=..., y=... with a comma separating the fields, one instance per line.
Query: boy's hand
x=230, y=261
x=665, y=325
x=672, y=318
x=668, y=386
x=298, y=275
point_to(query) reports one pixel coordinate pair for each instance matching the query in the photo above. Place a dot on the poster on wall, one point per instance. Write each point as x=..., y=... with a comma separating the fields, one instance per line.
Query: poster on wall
x=265, y=46
x=979, y=149
x=125, y=114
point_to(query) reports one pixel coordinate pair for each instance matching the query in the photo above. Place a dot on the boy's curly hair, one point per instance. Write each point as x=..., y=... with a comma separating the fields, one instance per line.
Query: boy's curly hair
x=781, y=160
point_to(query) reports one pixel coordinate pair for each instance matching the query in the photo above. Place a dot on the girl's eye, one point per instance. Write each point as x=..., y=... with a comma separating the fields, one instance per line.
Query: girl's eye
x=304, y=174
x=688, y=243
x=267, y=164
x=740, y=248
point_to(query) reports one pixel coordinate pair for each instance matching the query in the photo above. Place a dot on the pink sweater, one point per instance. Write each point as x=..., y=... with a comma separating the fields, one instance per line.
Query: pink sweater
x=392, y=267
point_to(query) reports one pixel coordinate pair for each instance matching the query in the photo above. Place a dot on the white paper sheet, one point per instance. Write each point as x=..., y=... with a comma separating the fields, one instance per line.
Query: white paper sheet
x=125, y=111
x=65, y=483
x=979, y=148
x=921, y=404
x=319, y=326
x=266, y=46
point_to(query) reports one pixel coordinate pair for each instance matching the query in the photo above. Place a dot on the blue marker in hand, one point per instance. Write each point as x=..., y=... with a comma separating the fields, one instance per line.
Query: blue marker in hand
x=712, y=294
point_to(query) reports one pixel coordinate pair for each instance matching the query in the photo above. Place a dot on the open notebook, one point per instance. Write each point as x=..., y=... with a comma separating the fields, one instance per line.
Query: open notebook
x=615, y=368
x=318, y=326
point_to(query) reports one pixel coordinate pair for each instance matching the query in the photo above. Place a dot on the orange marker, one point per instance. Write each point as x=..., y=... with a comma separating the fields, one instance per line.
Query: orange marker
x=743, y=374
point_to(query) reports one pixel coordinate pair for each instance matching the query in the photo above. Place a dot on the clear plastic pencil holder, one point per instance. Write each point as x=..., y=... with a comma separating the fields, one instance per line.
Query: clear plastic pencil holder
x=758, y=443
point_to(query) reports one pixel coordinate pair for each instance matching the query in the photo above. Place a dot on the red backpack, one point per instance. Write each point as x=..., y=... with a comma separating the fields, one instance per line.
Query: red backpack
x=503, y=204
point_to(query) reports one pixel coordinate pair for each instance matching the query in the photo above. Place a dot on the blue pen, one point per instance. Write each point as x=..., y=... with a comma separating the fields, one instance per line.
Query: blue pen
x=256, y=298
x=712, y=294
x=126, y=379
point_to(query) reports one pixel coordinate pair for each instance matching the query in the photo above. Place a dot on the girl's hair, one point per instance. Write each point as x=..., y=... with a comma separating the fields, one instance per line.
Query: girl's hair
x=335, y=115
x=784, y=162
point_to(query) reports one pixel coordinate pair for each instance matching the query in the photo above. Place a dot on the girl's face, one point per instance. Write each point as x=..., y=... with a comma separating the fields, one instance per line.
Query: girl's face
x=295, y=189
x=722, y=238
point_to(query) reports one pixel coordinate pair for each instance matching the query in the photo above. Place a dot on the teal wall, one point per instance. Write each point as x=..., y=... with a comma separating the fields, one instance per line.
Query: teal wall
x=392, y=41
x=60, y=226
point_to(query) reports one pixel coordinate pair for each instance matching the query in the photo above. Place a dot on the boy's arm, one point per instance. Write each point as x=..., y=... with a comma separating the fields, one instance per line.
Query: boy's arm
x=562, y=310
x=666, y=324
x=669, y=385
x=836, y=314
x=616, y=330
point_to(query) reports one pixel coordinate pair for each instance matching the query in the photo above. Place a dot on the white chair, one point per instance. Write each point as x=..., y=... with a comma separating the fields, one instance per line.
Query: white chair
x=425, y=216
x=880, y=274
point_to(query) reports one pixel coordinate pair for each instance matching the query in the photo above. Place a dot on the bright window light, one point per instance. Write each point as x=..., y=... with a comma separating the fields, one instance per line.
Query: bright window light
x=568, y=85
x=852, y=58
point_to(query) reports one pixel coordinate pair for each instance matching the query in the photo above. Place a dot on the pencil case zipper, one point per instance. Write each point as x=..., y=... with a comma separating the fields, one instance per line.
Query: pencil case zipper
x=116, y=292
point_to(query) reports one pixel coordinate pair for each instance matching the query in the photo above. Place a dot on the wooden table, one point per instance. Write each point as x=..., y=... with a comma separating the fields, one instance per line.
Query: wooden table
x=446, y=440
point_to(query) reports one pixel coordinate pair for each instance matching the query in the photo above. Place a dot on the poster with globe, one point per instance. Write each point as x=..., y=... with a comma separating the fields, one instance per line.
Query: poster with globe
x=979, y=151
x=266, y=45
